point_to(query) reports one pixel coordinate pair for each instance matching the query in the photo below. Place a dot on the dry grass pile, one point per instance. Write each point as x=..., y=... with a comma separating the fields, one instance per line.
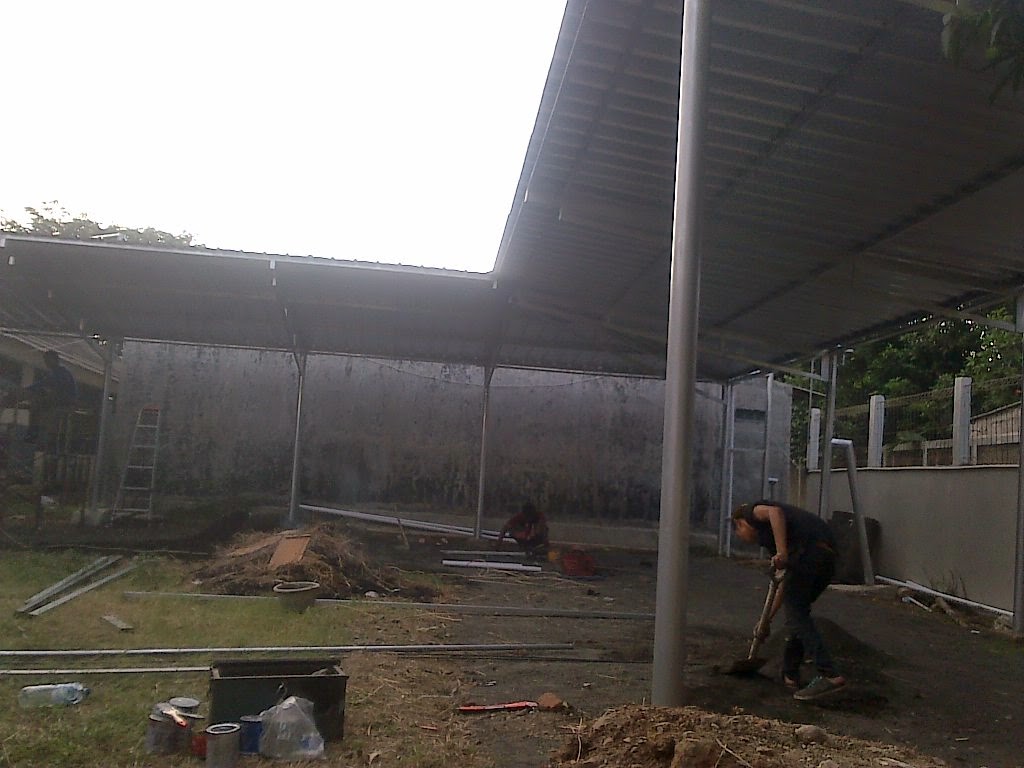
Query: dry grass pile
x=242, y=567
x=635, y=736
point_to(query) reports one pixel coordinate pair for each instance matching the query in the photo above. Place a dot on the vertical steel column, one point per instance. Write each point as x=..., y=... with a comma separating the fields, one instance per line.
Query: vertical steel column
x=478, y=528
x=101, y=437
x=769, y=383
x=1018, y=565
x=293, y=504
x=668, y=687
x=825, y=486
x=728, y=443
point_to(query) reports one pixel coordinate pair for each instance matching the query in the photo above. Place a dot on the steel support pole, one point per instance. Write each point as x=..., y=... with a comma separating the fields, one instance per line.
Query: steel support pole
x=482, y=485
x=769, y=383
x=1018, y=565
x=728, y=441
x=101, y=438
x=668, y=687
x=825, y=486
x=293, y=504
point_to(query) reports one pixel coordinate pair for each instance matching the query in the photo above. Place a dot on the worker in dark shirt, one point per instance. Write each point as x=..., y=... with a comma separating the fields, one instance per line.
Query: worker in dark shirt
x=529, y=529
x=802, y=545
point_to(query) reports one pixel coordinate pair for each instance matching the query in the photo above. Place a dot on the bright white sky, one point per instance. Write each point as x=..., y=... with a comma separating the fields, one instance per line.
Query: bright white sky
x=358, y=129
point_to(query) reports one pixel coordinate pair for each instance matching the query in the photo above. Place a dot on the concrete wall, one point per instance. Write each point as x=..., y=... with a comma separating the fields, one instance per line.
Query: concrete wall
x=948, y=528
x=375, y=431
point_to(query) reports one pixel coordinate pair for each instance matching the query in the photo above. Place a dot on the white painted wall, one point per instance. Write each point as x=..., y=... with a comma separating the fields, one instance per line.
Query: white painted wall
x=940, y=525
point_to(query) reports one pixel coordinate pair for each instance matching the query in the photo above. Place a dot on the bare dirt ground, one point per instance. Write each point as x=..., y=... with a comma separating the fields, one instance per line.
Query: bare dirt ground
x=923, y=689
x=918, y=680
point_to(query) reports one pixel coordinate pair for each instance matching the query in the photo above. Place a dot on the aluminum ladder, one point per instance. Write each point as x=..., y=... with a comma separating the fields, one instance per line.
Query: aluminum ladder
x=135, y=494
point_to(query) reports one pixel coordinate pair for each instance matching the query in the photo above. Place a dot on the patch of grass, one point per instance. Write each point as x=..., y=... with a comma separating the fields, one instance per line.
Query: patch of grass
x=389, y=700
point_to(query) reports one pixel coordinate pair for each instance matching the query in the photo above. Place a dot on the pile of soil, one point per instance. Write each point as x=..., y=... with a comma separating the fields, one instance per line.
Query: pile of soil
x=635, y=736
x=336, y=561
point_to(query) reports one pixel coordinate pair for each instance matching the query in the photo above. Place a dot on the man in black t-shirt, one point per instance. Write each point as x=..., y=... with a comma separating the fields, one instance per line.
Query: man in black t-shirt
x=803, y=546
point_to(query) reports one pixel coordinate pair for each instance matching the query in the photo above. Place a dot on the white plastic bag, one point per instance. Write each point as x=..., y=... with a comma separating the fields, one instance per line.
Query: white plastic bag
x=289, y=731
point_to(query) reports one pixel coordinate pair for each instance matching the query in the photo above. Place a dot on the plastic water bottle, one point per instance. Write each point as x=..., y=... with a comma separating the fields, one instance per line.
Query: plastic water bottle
x=58, y=695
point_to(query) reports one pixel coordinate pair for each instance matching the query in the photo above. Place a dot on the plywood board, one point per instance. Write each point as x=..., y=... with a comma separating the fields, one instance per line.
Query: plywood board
x=289, y=550
x=256, y=547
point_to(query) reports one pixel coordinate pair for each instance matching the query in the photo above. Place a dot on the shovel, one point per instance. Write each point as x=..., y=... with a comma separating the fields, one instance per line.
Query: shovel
x=753, y=662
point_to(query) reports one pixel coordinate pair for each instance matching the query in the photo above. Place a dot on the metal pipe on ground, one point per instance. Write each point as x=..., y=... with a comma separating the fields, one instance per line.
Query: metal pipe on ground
x=426, y=648
x=418, y=525
x=494, y=566
x=483, y=610
x=951, y=598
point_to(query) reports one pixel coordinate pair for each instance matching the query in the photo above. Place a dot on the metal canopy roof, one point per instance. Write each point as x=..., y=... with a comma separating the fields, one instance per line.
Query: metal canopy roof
x=854, y=181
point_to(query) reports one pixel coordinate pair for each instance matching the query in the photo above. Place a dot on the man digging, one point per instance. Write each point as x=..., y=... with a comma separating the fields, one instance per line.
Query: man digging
x=802, y=545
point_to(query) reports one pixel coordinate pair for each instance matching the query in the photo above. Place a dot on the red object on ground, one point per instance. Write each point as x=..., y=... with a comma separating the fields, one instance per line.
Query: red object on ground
x=198, y=745
x=578, y=563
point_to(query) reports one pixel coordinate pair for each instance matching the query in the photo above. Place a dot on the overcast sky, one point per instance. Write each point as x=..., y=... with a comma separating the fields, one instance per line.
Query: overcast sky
x=389, y=131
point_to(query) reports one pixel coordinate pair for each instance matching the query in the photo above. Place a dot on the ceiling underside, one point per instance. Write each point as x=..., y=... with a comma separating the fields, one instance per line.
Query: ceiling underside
x=853, y=180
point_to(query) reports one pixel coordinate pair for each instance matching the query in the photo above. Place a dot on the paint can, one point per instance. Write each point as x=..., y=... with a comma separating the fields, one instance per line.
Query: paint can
x=185, y=704
x=162, y=735
x=252, y=729
x=222, y=745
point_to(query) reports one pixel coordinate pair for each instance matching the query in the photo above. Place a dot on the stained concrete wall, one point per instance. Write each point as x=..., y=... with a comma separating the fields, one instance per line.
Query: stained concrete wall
x=583, y=447
x=949, y=528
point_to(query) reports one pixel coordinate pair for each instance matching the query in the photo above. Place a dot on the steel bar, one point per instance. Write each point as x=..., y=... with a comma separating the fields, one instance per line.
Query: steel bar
x=725, y=497
x=490, y=565
x=101, y=671
x=293, y=498
x=41, y=597
x=858, y=510
x=1018, y=556
x=95, y=476
x=825, y=481
x=482, y=484
x=483, y=610
x=484, y=552
x=951, y=598
x=668, y=688
x=425, y=648
x=455, y=530
x=81, y=591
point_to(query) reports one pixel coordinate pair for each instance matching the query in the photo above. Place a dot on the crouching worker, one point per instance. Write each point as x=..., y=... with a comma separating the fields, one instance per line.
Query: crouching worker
x=529, y=529
x=803, y=546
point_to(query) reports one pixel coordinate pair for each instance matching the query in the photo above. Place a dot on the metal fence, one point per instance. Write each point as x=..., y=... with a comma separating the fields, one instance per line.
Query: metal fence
x=918, y=430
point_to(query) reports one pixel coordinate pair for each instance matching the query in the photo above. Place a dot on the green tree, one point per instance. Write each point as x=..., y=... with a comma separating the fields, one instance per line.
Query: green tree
x=988, y=34
x=53, y=220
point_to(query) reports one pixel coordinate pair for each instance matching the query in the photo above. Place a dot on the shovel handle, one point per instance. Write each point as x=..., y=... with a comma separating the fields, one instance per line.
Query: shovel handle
x=769, y=599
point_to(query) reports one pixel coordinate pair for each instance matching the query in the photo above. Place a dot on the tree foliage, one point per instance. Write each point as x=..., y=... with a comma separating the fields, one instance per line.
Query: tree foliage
x=920, y=362
x=988, y=35
x=53, y=220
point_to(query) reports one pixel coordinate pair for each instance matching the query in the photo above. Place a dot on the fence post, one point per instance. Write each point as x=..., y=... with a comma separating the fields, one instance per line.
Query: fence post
x=813, y=438
x=962, y=421
x=876, y=429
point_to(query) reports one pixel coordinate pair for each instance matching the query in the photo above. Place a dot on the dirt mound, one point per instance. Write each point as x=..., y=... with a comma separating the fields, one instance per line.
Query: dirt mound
x=243, y=567
x=635, y=736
